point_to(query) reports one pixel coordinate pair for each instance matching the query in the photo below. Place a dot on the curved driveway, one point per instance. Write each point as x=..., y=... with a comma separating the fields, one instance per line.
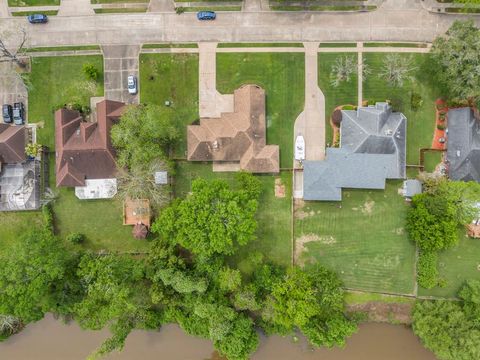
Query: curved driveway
x=386, y=24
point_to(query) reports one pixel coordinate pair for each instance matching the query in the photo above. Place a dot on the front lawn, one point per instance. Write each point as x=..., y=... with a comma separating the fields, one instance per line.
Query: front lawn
x=174, y=78
x=56, y=81
x=274, y=214
x=362, y=238
x=282, y=75
x=345, y=93
x=15, y=3
x=421, y=123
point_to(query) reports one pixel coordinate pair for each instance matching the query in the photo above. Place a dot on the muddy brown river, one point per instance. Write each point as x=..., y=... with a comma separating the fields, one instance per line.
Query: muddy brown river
x=50, y=339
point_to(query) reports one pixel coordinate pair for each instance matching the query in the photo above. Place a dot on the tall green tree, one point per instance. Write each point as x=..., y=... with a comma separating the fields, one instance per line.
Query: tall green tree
x=450, y=329
x=456, y=60
x=34, y=277
x=213, y=219
x=116, y=295
x=144, y=134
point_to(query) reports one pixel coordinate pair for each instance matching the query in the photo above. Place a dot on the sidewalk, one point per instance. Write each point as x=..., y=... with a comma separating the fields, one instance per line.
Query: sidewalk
x=75, y=8
x=3, y=9
x=161, y=6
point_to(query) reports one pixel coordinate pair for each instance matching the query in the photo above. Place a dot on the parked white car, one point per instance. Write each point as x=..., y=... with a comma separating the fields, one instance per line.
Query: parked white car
x=300, y=148
x=132, y=84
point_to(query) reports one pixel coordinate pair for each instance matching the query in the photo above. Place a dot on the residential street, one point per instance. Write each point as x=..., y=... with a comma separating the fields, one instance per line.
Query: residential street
x=388, y=23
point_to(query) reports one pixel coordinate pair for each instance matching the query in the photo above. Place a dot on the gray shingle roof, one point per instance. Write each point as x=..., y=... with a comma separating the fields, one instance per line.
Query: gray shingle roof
x=463, y=147
x=373, y=147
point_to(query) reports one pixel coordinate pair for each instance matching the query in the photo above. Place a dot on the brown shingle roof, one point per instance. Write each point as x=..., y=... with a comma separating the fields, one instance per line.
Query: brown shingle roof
x=84, y=149
x=238, y=136
x=12, y=143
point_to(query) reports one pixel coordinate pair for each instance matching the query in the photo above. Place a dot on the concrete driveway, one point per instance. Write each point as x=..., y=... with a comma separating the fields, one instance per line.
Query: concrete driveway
x=12, y=88
x=120, y=61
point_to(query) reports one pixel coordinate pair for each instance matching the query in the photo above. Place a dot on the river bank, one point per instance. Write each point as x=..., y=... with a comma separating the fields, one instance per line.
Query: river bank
x=50, y=339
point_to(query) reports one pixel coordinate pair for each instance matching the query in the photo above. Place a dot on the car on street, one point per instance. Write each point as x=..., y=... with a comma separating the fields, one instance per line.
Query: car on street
x=132, y=85
x=37, y=19
x=7, y=113
x=18, y=113
x=206, y=15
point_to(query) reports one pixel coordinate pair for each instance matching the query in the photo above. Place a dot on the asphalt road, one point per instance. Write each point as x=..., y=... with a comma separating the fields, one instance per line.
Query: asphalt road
x=384, y=24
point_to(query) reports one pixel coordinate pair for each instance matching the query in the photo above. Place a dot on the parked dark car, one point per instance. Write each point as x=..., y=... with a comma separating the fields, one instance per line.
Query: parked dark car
x=37, y=19
x=206, y=15
x=18, y=113
x=7, y=113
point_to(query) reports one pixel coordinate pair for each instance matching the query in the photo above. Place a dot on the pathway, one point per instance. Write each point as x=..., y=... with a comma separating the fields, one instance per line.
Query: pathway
x=360, y=73
x=12, y=88
x=311, y=122
x=211, y=102
x=3, y=9
x=75, y=8
x=119, y=62
x=161, y=6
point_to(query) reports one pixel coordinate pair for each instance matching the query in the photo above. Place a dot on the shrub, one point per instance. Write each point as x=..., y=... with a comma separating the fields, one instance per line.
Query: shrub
x=76, y=238
x=47, y=213
x=179, y=10
x=440, y=127
x=416, y=101
x=427, y=272
x=91, y=72
x=32, y=150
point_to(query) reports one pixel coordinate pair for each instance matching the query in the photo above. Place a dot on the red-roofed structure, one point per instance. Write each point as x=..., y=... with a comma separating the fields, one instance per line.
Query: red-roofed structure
x=84, y=149
x=13, y=140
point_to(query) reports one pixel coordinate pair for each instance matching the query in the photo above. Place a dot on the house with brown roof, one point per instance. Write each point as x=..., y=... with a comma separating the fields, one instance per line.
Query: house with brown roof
x=13, y=140
x=238, y=137
x=84, y=151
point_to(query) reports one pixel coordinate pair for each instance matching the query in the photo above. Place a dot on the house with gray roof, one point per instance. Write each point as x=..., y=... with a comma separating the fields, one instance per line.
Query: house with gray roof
x=463, y=145
x=372, y=149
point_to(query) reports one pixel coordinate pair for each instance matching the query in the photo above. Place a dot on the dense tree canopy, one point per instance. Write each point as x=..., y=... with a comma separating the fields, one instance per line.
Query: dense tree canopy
x=457, y=62
x=34, y=277
x=143, y=134
x=214, y=219
x=451, y=329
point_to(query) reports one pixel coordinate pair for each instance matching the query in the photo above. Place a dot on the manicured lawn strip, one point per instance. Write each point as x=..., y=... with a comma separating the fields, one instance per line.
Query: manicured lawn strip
x=26, y=13
x=282, y=76
x=63, y=48
x=465, y=10
x=329, y=45
x=117, y=1
x=322, y=8
x=172, y=77
x=211, y=8
x=353, y=297
x=120, y=10
x=274, y=214
x=345, y=93
x=161, y=46
x=240, y=45
x=56, y=81
x=420, y=124
x=432, y=159
x=390, y=44
x=18, y=3
x=456, y=265
x=99, y=220
x=13, y=224
x=362, y=238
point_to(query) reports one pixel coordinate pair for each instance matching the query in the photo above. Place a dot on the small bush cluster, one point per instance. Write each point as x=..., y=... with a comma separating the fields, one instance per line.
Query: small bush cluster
x=91, y=72
x=416, y=101
x=47, y=213
x=427, y=272
x=440, y=127
x=76, y=238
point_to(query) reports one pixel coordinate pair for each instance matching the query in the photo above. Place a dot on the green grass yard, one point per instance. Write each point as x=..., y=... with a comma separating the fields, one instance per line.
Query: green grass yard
x=15, y=3
x=56, y=81
x=345, y=93
x=362, y=238
x=456, y=265
x=420, y=124
x=174, y=78
x=282, y=75
x=13, y=224
x=274, y=214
